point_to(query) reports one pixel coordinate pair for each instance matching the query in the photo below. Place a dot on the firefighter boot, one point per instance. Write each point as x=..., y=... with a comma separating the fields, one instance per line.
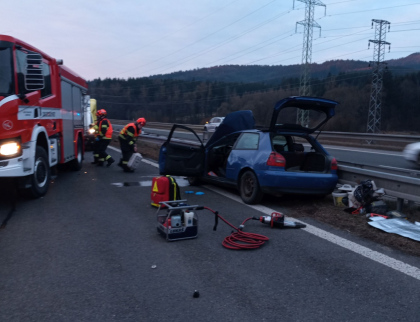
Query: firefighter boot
x=126, y=168
x=100, y=162
x=95, y=160
x=110, y=161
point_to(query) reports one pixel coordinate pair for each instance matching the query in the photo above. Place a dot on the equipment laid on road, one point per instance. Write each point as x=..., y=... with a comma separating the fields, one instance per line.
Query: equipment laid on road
x=277, y=220
x=163, y=189
x=134, y=161
x=179, y=222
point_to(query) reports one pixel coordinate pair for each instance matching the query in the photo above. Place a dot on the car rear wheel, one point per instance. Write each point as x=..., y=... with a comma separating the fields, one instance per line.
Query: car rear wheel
x=249, y=188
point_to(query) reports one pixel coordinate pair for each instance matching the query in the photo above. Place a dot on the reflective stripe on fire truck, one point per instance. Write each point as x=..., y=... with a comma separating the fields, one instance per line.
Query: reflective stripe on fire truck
x=46, y=113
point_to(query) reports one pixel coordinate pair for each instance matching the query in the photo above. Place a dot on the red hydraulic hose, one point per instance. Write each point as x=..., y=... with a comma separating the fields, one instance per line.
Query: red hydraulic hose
x=240, y=240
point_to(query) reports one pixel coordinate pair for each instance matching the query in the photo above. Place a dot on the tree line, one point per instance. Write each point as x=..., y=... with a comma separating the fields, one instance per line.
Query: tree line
x=195, y=101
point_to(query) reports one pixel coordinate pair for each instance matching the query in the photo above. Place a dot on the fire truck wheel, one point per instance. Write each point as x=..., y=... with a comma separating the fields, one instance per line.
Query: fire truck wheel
x=77, y=163
x=40, y=180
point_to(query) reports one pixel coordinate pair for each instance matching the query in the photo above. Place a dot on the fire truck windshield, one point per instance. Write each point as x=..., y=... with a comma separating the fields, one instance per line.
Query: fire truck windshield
x=6, y=72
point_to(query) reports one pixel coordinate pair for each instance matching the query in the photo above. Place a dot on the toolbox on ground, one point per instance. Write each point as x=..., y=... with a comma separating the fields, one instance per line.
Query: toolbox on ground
x=134, y=161
x=164, y=188
x=179, y=222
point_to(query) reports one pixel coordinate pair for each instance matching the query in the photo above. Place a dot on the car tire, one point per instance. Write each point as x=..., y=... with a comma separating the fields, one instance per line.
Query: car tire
x=40, y=179
x=77, y=163
x=249, y=188
x=193, y=181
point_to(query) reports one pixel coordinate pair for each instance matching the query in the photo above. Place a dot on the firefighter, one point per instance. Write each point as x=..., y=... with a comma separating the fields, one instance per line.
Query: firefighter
x=103, y=138
x=128, y=137
x=95, y=144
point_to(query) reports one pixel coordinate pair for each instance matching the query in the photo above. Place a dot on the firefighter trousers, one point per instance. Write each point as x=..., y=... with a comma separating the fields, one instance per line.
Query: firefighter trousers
x=102, y=154
x=126, y=151
x=95, y=148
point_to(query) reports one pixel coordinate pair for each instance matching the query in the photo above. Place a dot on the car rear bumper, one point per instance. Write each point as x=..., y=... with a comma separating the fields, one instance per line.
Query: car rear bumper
x=301, y=183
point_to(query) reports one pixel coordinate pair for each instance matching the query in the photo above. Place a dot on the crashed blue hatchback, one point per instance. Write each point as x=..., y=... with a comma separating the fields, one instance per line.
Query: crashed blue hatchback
x=283, y=158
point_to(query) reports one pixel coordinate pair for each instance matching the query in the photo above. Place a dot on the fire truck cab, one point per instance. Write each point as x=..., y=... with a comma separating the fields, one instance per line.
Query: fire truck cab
x=42, y=106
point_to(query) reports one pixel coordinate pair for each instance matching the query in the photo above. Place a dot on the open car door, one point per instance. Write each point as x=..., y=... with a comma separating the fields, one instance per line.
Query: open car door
x=181, y=159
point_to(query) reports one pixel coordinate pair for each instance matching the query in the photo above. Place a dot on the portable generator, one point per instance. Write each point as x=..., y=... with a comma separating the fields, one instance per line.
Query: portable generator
x=179, y=222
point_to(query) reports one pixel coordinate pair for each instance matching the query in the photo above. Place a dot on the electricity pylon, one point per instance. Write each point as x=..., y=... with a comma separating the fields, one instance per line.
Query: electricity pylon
x=308, y=24
x=374, y=114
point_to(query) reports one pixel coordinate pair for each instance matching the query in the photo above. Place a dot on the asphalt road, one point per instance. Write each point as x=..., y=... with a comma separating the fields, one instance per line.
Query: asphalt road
x=89, y=251
x=379, y=158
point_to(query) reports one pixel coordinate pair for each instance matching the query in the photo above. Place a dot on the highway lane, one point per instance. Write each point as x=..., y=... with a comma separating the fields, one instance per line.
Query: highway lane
x=86, y=252
x=371, y=157
x=363, y=156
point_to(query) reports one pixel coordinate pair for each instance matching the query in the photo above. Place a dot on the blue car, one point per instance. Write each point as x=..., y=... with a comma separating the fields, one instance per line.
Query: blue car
x=282, y=158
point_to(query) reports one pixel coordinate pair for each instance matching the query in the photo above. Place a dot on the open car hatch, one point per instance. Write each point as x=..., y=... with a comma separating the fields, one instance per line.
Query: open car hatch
x=285, y=113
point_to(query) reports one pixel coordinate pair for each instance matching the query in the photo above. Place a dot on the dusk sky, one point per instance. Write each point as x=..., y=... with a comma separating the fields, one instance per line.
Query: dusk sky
x=137, y=38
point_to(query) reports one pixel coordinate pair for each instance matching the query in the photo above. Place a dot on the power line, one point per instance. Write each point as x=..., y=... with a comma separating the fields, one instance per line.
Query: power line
x=374, y=115
x=308, y=24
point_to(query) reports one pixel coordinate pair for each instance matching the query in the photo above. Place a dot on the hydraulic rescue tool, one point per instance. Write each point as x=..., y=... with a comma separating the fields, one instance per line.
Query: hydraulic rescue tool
x=181, y=222
x=277, y=220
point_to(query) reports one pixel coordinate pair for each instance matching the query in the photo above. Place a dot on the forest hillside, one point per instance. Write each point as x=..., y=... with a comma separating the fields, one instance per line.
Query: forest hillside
x=192, y=97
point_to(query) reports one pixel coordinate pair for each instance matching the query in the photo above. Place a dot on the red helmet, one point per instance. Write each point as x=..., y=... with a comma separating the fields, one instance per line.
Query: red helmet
x=101, y=113
x=141, y=121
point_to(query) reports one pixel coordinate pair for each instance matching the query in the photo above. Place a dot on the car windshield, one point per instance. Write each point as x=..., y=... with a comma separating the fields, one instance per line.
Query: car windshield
x=6, y=72
x=287, y=117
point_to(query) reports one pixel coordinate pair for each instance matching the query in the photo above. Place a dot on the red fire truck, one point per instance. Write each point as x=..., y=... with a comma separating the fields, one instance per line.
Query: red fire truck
x=42, y=106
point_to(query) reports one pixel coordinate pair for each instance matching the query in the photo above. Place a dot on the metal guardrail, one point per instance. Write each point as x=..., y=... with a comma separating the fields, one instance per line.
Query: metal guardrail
x=395, y=142
x=398, y=183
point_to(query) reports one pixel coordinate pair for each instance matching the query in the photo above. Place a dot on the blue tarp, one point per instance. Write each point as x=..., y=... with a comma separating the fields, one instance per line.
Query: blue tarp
x=398, y=226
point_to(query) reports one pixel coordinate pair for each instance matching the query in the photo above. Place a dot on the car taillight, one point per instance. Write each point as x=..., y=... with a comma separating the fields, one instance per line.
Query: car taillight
x=334, y=165
x=276, y=160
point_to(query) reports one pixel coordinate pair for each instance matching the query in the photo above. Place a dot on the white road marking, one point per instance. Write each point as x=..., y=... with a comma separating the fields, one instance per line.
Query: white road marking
x=354, y=247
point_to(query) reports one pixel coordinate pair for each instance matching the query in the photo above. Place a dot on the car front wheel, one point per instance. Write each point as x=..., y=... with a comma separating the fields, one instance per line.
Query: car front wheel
x=193, y=181
x=249, y=188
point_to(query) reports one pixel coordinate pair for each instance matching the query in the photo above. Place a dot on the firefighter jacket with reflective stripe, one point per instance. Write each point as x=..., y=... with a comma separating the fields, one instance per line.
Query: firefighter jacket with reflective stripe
x=96, y=128
x=105, y=129
x=130, y=133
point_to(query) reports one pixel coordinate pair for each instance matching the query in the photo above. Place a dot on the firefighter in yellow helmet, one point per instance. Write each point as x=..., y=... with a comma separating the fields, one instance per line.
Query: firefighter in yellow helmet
x=103, y=138
x=128, y=137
